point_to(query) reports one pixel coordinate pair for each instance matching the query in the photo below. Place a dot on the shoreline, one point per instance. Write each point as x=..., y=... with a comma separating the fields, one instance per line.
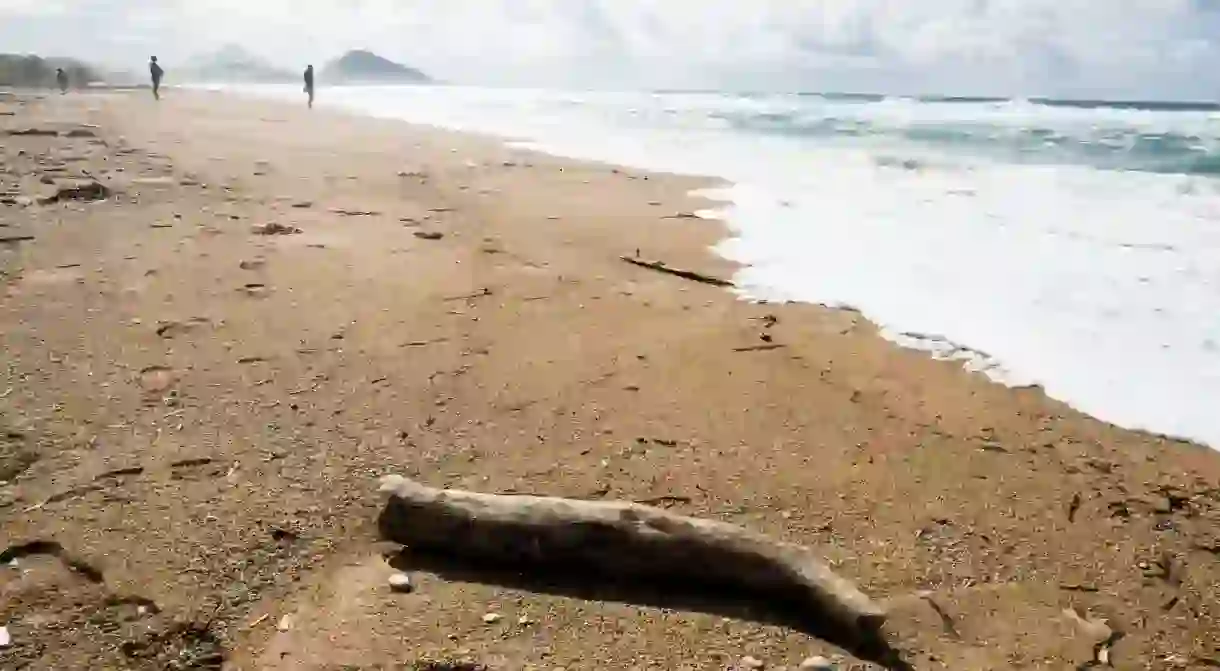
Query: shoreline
x=994, y=351
x=209, y=410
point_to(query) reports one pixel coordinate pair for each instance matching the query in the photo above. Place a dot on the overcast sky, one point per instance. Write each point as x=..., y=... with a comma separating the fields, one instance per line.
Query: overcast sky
x=1112, y=48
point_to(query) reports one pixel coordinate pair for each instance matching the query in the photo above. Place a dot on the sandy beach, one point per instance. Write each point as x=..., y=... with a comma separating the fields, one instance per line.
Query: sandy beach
x=207, y=367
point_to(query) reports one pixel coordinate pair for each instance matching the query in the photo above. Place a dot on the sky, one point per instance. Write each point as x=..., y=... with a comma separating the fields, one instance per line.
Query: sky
x=1159, y=49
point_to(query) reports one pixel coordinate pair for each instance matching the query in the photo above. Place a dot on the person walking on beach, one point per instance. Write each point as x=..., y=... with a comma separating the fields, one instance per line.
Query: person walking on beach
x=309, y=84
x=61, y=78
x=157, y=73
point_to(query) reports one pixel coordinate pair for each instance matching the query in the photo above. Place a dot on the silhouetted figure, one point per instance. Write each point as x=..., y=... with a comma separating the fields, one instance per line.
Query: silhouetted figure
x=309, y=84
x=61, y=78
x=157, y=73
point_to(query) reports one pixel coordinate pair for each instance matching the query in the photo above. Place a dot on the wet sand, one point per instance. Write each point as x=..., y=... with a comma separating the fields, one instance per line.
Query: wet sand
x=197, y=414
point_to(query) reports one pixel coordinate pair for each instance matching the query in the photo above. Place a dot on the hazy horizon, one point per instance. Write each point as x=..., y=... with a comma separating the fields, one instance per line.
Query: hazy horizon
x=1124, y=49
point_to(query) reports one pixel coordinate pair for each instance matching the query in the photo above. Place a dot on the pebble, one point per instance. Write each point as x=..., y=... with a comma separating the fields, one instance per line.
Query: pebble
x=285, y=623
x=752, y=663
x=5, y=639
x=492, y=618
x=401, y=583
x=817, y=664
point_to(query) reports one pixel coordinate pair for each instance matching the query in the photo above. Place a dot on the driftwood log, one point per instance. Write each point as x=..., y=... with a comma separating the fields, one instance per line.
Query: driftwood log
x=625, y=541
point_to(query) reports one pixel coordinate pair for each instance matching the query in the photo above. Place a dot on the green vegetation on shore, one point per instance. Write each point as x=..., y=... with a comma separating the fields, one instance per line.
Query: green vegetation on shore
x=30, y=71
x=230, y=64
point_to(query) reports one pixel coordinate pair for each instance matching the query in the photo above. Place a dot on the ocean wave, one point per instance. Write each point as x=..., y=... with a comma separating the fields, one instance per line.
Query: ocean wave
x=1017, y=131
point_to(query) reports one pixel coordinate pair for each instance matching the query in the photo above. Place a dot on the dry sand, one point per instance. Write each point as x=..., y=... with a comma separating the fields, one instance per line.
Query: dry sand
x=194, y=417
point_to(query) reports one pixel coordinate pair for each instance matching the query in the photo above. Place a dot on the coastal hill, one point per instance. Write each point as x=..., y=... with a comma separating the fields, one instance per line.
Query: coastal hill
x=29, y=71
x=359, y=66
x=233, y=64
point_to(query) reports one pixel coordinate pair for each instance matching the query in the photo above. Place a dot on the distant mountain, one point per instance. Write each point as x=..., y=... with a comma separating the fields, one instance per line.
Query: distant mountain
x=233, y=64
x=361, y=66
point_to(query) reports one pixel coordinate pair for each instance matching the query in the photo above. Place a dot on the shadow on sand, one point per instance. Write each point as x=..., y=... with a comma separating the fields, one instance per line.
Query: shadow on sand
x=683, y=595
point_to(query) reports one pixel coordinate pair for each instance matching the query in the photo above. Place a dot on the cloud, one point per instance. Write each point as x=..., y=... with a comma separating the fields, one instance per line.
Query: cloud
x=1161, y=48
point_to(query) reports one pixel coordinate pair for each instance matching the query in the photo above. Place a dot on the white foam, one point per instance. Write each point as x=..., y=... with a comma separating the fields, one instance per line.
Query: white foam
x=1102, y=286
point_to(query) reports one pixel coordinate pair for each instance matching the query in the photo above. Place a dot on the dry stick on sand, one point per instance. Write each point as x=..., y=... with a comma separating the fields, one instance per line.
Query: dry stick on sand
x=759, y=348
x=623, y=540
x=660, y=267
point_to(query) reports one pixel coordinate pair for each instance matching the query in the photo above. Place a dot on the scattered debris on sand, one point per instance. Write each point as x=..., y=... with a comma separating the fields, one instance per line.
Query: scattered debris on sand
x=274, y=228
x=90, y=190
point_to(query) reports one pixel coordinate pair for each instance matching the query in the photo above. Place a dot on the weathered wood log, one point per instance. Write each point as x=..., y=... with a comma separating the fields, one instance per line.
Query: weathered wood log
x=660, y=267
x=625, y=541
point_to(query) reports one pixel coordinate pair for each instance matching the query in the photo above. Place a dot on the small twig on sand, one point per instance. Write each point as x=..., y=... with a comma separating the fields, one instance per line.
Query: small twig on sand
x=424, y=343
x=478, y=294
x=354, y=213
x=946, y=621
x=313, y=387
x=660, y=500
x=758, y=348
x=660, y=267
